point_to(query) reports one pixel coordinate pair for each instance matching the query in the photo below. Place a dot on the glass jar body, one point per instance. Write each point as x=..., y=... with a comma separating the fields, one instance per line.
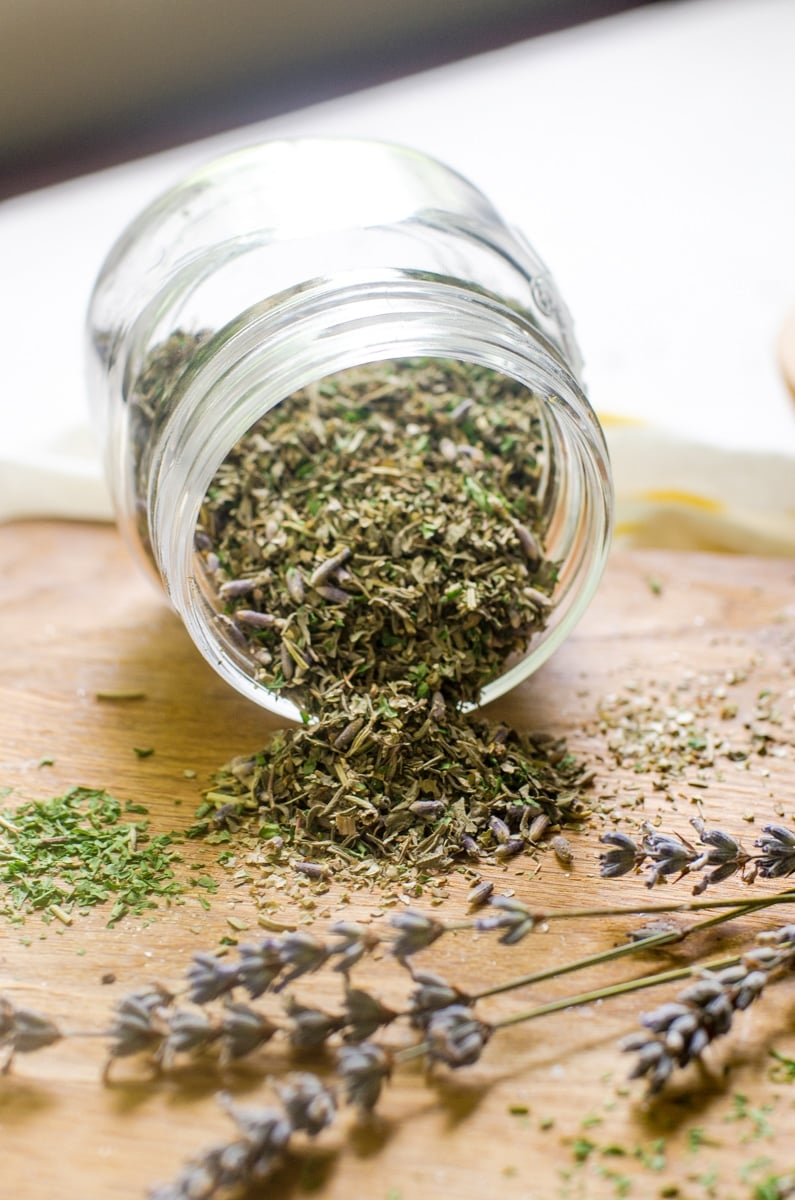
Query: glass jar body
x=278, y=266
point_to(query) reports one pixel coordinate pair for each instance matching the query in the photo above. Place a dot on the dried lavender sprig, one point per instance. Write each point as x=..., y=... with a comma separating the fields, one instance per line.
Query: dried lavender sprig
x=672, y=854
x=679, y=1031
x=261, y=967
x=244, y=1030
x=265, y=1136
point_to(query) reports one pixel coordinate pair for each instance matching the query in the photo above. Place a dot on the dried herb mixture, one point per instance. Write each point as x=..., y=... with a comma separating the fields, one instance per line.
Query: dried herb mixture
x=374, y=551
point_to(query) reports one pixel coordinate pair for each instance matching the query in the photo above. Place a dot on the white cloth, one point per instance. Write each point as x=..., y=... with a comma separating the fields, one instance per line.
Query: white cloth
x=649, y=159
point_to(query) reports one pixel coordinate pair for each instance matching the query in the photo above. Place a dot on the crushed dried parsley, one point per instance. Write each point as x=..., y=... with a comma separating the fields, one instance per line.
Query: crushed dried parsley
x=79, y=850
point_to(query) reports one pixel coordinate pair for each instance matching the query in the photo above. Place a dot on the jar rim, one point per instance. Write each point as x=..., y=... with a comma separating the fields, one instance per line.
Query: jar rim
x=327, y=325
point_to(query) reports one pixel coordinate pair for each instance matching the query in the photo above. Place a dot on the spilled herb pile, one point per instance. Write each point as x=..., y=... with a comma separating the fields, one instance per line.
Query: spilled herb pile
x=374, y=552
x=422, y=793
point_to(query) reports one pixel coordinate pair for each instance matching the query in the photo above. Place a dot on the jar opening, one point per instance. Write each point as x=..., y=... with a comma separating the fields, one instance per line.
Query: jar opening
x=383, y=530
x=464, y=479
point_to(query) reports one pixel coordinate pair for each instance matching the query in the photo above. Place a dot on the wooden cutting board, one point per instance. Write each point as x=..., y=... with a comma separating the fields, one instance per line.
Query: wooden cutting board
x=546, y=1113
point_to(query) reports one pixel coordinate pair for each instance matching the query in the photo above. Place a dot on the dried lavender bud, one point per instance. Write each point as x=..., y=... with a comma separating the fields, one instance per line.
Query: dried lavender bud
x=139, y=1024
x=329, y=567
x=415, y=932
x=480, y=893
x=470, y=847
x=235, y=1165
x=429, y=809
x=24, y=1031
x=624, y=857
x=228, y=816
x=438, y=710
x=670, y=855
x=364, y=1015
x=243, y=1030
x=509, y=849
x=231, y=630
x=784, y=937
x=189, y=1031
x=431, y=994
x=355, y=942
x=499, y=829
x=778, y=852
x=344, y=739
x=311, y=870
x=295, y=585
x=310, y=1106
x=513, y=917
x=254, y=619
x=456, y=1037
x=653, y=1061
x=260, y=965
x=652, y=929
x=333, y=595
x=538, y=827
x=303, y=954
x=529, y=544
x=310, y=1027
x=362, y=1070
x=723, y=853
x=561, y=848
x=234, y=588
x=210, y=977
x=263, y=1128
x=151, y=996
x=286, y=662
x=750, y=989
x=680, y=1030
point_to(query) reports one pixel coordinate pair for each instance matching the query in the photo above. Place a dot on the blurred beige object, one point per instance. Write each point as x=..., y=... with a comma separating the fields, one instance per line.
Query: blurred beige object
x=680, y=494
x=786, y=351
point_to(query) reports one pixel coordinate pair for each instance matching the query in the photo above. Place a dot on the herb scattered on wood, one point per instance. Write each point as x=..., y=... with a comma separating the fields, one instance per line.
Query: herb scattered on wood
x=79, y=850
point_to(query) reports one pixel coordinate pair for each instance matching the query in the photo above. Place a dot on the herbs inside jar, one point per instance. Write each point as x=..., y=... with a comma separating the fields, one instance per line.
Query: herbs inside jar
x=384, y=527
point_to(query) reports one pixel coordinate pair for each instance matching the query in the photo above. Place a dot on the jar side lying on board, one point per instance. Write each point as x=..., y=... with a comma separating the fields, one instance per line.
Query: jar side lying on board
x=180, y=391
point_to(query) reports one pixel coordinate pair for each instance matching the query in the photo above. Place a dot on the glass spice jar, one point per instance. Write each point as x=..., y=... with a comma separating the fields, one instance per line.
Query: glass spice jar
x=279, y=266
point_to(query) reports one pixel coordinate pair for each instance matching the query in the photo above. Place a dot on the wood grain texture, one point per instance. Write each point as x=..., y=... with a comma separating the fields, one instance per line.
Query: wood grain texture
x=76, y=618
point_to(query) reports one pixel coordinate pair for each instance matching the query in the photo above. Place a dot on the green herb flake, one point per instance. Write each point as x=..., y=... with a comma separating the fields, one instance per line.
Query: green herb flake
x=653, y=1155
x=784, y=1070
x=582, y=1148
x=754, y=1167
